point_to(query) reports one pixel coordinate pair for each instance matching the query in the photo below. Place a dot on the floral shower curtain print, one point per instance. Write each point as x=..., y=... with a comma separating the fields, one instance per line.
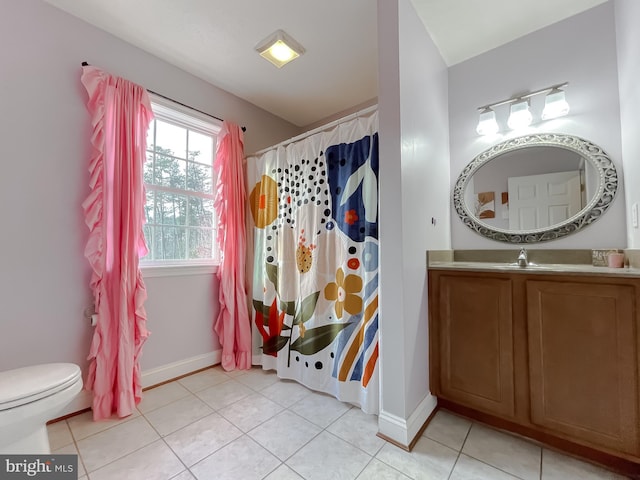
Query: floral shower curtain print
x=314, y=205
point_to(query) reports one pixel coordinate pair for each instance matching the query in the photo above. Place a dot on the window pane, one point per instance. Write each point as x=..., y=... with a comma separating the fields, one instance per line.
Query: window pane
x=200, y=148
x=199, y=178
x=148, y=207
x=179, y=227
x=200, y=243
x=148, y=236
x=150, y=135
x=170, y=243
x=148, y=168
x=171, y=139
x=200, y=212
x=171, y=209
x=170, y=172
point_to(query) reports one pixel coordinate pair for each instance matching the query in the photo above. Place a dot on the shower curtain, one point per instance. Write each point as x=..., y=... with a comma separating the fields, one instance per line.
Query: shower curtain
x=314, y=206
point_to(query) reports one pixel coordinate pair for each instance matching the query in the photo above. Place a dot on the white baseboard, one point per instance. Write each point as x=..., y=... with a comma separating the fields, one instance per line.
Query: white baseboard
x=153, y=377
x=403, y=431
x=182, y=367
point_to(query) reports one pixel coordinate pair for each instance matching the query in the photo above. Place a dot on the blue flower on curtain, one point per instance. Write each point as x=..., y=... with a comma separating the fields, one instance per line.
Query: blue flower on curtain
x=370, y=256
x=353, y=184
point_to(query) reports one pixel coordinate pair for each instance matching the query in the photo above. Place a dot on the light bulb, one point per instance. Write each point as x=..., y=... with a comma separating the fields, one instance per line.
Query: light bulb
x=555, y=105
x=281, y=51
x=487, y=125
x=520, y=116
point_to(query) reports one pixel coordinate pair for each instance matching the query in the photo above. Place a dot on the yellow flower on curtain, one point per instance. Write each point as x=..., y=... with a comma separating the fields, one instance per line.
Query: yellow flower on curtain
x=304, y=256
x=306, y=259
x=264, y=201
x=343, y=291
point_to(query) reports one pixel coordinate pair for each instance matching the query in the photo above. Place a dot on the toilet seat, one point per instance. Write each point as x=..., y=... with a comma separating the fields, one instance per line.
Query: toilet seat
x=28, y=384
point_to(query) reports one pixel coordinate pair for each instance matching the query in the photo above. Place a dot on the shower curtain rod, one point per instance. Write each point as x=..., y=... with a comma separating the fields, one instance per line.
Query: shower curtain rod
x=244, y=129
x=321, y=128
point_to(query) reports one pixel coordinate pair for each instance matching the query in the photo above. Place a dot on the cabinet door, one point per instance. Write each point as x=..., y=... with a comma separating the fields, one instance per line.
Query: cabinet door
x=476, y=343
x=583, y=363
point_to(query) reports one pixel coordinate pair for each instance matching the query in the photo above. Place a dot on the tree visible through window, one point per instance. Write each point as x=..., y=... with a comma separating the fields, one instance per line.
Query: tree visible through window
x=179, y=182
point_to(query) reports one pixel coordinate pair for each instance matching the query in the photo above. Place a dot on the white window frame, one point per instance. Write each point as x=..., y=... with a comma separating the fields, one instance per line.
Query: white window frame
x=172, y=112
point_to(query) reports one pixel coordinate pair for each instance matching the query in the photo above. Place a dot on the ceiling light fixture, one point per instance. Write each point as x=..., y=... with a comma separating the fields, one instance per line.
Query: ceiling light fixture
x=279, y=48
x=520, y=116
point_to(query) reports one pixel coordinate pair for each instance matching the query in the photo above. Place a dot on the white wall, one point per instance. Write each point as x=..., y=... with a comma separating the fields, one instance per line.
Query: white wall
x=414, y=174
x=627, y=15
x=580, y=50
x=44, y=277
x=180, y=312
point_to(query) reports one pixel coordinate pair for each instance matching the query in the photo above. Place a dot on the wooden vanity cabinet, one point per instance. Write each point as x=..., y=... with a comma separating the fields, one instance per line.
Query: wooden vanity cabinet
x=583, y=361
x=474, y=343
x=556, y=356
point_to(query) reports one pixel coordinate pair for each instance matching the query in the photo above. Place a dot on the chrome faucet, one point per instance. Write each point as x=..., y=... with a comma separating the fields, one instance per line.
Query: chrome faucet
x=523, y=259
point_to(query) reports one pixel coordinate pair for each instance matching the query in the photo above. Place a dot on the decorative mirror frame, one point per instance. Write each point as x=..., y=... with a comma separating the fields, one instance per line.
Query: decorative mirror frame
x=607, y=188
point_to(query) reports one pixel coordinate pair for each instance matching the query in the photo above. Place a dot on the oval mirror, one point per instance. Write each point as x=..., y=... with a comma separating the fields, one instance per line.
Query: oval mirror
x=535, y=188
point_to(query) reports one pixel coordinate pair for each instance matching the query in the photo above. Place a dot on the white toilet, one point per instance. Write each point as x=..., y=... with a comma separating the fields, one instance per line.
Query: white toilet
x=29, y=398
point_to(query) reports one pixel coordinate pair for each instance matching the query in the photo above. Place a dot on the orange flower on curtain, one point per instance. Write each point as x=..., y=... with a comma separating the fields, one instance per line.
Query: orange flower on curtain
x=264, y=201
x=343, y=291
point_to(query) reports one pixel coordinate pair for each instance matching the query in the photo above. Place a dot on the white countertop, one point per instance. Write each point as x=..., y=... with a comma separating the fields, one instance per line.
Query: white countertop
x=551, y=268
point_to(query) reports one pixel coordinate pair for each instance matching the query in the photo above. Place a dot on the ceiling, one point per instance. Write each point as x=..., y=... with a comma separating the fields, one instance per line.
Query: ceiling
x=215, y=40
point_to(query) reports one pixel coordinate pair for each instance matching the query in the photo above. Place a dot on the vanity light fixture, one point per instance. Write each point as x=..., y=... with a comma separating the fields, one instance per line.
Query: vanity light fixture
x=555, y=105
x=520, y=116
x=487, y=124
x=279, y=48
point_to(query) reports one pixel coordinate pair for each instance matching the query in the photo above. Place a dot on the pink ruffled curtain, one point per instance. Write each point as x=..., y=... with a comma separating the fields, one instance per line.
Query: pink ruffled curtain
x=232, y=325
x=120, y=115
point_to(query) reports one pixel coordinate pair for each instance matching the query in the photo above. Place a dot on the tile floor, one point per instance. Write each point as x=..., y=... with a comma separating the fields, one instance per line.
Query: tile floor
x=252, y=425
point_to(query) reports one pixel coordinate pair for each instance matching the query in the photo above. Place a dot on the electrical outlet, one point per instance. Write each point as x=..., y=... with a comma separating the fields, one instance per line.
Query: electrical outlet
x=634, y=215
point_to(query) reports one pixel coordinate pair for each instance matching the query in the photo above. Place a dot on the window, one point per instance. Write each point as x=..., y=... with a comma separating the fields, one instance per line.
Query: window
x=179, y=179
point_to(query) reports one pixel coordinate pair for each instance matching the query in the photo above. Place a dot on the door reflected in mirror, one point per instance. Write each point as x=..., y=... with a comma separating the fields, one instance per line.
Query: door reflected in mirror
x=531, y=188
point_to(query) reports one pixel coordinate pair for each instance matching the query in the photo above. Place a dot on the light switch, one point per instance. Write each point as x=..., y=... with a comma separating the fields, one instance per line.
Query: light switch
x=634, y=215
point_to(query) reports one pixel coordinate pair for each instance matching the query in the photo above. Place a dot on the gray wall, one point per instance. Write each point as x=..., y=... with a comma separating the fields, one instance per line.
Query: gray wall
x=628, y=42
x=580, y=50
x=414, y=174
x=44, y=277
